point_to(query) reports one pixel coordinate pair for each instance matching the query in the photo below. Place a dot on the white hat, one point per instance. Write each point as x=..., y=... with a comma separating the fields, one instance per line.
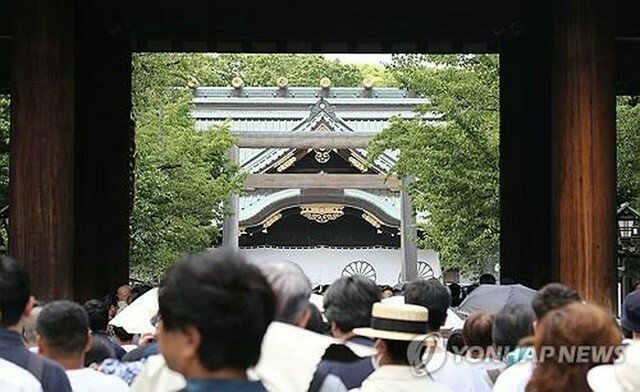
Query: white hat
x=623, y=376
x=396, y=322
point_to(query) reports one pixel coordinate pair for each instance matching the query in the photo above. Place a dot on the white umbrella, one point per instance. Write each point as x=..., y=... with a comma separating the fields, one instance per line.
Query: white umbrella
x=136, y=318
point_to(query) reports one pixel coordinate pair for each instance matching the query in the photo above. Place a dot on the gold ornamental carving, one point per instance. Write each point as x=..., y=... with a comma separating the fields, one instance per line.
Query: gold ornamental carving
x=271, y=220
x=372, y=220
x=286, y=164
x=322, y=213
x=357, y=164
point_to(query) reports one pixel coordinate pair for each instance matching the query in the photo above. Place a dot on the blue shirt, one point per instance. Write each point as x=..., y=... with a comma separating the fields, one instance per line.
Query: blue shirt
x=219, y=385
x=51, y=375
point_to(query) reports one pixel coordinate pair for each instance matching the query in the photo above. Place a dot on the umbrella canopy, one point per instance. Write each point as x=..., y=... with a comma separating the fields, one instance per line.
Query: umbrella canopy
x=136, y=318
x=492, y=298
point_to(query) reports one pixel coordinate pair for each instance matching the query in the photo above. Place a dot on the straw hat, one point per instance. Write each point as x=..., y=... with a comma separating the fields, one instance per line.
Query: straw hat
x=623, y=376
x=396, y=322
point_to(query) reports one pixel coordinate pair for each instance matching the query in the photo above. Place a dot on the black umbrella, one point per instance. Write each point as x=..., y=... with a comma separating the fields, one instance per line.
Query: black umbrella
x=492, y=298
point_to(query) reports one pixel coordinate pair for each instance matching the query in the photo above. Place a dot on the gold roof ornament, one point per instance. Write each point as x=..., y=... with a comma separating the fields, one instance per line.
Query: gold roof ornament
x=322, y=213
x=282, y=82
x=237, y=82
x=325, y=83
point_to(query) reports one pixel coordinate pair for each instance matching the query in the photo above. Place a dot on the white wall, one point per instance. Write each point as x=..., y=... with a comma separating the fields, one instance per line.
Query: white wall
x=323, y=265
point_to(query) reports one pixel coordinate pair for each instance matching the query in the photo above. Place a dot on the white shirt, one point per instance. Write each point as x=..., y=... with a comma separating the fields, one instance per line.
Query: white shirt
x=89, y=380
x=13, y=378
x=396, y=378
x=454, y=372
x=515, y=378
x=489, y=367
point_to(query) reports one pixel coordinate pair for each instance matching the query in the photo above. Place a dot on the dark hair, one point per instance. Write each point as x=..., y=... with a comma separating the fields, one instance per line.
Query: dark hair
x=456, y=343
x=65, y=326
x=477, y=331
x=575, y=325
x=487, y=279
x=98, y=313
x=510, y=325
x=122, y=334
x=434, y=296
x=226, y=299
x=316, y=323
x=456, y=294
x=15, y=291
x=137, y=291
x=101, y=349
x=397, y=350
x=553, y=296
x=349, y=300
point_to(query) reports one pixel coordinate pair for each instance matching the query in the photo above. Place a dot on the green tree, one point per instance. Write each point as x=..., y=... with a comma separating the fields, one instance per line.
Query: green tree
x=628, y=127
x=265, y=69
x=455, y=160
x=182, y=174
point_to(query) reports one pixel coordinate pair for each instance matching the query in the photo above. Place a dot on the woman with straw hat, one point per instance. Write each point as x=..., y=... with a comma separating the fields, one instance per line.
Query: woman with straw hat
x=398, y=330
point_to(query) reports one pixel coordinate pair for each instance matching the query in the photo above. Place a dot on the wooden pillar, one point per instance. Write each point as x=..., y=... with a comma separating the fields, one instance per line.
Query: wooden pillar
x=231, y=224
x=42, y=144
x=409, y=266
x=104, y=148
x=583, y=154
x=525, y=253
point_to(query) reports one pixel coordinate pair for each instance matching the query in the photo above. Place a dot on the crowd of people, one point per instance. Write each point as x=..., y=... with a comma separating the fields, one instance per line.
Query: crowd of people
x=226, y=324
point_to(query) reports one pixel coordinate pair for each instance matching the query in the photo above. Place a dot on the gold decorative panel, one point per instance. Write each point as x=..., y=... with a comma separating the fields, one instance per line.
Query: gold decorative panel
x=372, y=220
x=322, y=213
x=286, y=164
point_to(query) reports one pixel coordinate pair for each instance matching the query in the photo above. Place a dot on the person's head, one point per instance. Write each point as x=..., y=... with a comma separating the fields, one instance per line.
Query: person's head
x=292, y=290
x=99, y=350
x=63, y=332
x=16, y=301
x=487, y=279
x=122, y=335
x=510, y=325
x=553, y=296
x=568, y=342
x=111, y=302
x=395, y=327
x=434, y=296
x=476, y=332
x=214, y=311
x=456, y=294
x=348, y=303
x=123, y=293
x=456, y=343
x=386, y=291
x=98, y=314
x=137, y=291
x=630, y=318
x=316, y=323
x=29, y=332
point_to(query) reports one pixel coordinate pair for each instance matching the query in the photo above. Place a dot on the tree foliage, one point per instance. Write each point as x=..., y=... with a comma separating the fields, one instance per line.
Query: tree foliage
x=182, y=175
x=628, y=127
x=456, y=159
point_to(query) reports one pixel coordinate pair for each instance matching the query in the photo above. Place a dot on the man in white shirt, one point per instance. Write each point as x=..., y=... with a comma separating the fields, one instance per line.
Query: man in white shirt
x=64, y=337
x=450, y=370
x=13, y=378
